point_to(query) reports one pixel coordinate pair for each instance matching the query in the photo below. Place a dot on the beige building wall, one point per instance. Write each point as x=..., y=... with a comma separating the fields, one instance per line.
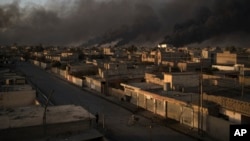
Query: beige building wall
x=75, y=80
x=178, y=80
x=93, y=84
x=60, y=120
x=17, y=98
x=226, y=58
x=233, y=116
x=153, y=57
x=239, y=106
x=244, y=80
x=151, y=78
x=167, y=107
x=168, y=63
x=205, y=54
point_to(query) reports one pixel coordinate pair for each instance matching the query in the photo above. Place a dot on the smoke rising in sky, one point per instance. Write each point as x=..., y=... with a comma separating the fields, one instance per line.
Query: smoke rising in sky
x=91, y=22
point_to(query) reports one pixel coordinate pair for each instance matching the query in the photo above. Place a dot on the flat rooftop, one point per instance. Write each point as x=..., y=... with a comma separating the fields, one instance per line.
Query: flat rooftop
x=191, y=94
x=33, y=116
x=143, y=85
x=15, y=87
x=182, y=73
x=95, y=77
x=229, y=92
x=192, y=98
x=158, y=90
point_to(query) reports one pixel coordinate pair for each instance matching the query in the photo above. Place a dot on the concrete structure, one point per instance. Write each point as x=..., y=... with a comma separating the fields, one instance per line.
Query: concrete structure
x=69, y=56
x=226, y=58
x=9, y=88
x=53, y=57
x=12, y=79
x=214, y=117
x=152, y=57
x=82, y=68
x=27, y=123
x=236, y=110
x=107, y=51
x=96, y=83
x=188, y=66
x=14, y=91
x=181, y=80
x=154, y=78
x=16, y=96
x=179, y=106
x=159, y=55
x=121, y=70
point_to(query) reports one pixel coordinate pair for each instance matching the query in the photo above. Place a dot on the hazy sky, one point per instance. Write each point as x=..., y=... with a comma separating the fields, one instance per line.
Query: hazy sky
x=25, y=2
x=124, y=22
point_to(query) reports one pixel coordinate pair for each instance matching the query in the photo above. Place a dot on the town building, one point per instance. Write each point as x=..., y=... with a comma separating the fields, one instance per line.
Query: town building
x=34, y=123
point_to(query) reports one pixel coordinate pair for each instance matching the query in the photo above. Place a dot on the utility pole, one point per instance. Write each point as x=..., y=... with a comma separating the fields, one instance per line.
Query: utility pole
x=107, y=80
x=45, y=112
x=242, y=80
x=200, y=115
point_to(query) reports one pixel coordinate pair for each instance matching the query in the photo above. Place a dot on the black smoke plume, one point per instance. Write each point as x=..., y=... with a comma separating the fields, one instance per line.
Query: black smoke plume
x=98, y=22
x=223, y=17
x=88, y=22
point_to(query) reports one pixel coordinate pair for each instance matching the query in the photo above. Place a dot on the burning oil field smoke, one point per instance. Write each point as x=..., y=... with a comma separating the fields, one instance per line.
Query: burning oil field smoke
x=224, y=17
x=97, y=22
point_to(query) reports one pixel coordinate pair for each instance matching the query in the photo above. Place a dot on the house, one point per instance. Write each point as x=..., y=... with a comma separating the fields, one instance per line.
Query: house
x=182, y=107
x=226, y=58
x=16, y=96
x=107, y=51
x=181, y=80
x=82, y=69
x=14, y=91
x=34, y=123
x=216, y=113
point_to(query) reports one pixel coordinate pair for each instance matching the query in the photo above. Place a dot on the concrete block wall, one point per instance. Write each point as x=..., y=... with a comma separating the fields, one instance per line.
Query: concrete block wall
x=187, y=116
x=63, y=73
x=134, y=98
x=141, y=101
x=174, y=111
x=117, y=93
x=160, y=107
x=150, y=104
x=23, y=134
x=168, y=63
x=77, y=81
x=17, y=98
x=229, y=103
x=168, y=107
x=55, y=70
x=150, y=78
x=186, y=80
x=182, y=66
x=93, y=84
x=37, y=63
x=182, y=80
x=44, y=65
x=226, y=58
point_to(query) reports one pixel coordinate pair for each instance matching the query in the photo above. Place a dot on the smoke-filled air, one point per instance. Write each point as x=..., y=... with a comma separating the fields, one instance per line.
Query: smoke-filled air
x=126, y=22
